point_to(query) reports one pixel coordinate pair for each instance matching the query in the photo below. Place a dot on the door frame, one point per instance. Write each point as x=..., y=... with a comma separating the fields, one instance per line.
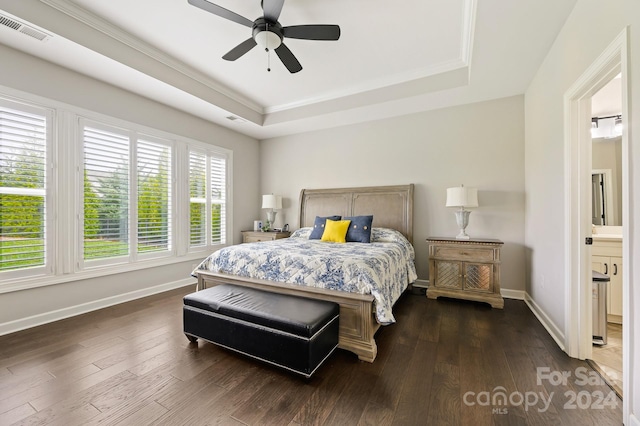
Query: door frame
x=577, y=203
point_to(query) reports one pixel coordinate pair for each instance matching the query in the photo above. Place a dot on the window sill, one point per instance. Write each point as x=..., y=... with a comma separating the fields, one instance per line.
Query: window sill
x=25, y=283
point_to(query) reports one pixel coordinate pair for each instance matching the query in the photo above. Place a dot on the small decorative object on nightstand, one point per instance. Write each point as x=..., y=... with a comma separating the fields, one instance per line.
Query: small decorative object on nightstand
x=254, y=237
x=465, y=269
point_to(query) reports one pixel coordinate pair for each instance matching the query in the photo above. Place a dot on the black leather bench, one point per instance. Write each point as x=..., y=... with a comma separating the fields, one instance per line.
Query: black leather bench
x=288, y=331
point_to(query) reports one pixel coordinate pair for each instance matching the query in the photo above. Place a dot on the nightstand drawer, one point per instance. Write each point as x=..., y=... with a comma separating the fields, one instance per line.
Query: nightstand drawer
x=257, y=238
x=464, y=253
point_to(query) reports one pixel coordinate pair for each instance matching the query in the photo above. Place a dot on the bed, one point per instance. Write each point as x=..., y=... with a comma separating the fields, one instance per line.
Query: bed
x=360, y=314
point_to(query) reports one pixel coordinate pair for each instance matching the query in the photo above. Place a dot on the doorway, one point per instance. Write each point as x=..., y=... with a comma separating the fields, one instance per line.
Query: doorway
x=578, y=199
x=606, y=208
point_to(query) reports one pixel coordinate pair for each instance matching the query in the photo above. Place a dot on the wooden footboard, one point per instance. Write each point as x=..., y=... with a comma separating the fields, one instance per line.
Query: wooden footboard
x=357, y=322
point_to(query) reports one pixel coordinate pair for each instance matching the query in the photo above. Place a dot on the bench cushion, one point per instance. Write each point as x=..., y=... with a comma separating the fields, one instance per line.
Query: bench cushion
x=297, y=315
x=293, y=332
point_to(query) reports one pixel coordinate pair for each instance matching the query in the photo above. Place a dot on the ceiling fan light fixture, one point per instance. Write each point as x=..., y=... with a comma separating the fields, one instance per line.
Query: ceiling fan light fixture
x=267, y=39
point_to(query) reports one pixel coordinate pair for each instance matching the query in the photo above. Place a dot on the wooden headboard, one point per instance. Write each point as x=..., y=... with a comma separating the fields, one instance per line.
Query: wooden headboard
x=391, y=206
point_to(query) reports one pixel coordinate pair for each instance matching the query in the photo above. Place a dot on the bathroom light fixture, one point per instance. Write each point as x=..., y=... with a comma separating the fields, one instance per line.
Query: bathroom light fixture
x=461, y=196
x=618, y=125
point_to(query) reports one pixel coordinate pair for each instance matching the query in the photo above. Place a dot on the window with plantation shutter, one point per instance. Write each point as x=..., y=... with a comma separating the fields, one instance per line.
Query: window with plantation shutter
x=23, y=188
x=106, y=194
x=218, y=173
x=197, y=199
x=207, y=198
x=84, y=195
x=154, y=197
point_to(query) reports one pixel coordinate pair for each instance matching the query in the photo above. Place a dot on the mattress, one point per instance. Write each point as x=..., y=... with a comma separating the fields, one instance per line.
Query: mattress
x=383, y=268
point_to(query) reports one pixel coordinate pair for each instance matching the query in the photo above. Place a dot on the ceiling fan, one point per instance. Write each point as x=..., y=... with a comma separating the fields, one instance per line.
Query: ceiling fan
x=268, y=33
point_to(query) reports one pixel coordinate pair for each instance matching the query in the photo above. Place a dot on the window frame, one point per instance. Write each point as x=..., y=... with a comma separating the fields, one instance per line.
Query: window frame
x=63, y=222
x=209, y=244
x=134, y=137
x=50, y=189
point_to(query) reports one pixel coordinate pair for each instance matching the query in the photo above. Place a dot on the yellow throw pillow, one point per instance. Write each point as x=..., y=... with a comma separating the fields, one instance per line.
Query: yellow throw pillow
x=335, y=231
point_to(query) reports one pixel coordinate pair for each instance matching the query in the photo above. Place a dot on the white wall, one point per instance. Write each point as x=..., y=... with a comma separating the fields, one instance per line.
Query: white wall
x=28, y=74
x=591, y=27
x=477, y=145
x=631, y=12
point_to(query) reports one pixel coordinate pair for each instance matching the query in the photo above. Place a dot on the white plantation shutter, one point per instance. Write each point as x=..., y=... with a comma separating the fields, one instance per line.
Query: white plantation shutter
x=106, y=194
x=101, y=199
x=218, y=173
x=207, y=199
x=154, y=197
x=23, y=204
x=197, y=199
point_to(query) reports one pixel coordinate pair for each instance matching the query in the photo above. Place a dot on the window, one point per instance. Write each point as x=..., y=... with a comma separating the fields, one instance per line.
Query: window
x=154, y=197
x=207, y=198
x=106, y=194
x=23, y=187
x=115, y=162
x=84, y=195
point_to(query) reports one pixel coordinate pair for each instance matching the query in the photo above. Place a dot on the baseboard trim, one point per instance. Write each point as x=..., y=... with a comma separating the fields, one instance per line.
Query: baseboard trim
x=546, y=322
x=505, y=292
x=512, y=294
x=421, y=283
x=48, y=317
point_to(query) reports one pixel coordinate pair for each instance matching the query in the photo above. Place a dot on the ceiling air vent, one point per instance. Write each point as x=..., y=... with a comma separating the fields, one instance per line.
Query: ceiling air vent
x=23, y=28
x=236, y=118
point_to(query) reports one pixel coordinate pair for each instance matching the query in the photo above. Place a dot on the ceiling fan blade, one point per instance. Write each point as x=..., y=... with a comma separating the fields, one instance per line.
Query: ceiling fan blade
x=240, y=50
x=272, y=9
x=312, y=32
x=288, y=59
x=221, y=12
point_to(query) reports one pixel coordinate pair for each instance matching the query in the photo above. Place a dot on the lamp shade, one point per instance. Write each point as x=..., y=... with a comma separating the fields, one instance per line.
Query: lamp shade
x=462, y=196
x=271, y=201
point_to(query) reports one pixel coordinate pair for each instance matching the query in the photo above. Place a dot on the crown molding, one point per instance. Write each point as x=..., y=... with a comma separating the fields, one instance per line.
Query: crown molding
x=370, y=89
x=463, y=60
x=118, y=34
x=468, y=31
x=372, y=85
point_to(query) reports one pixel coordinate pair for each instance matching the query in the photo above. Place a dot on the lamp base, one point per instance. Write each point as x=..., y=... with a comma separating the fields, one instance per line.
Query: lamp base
x=462, y=219
x=271, y=218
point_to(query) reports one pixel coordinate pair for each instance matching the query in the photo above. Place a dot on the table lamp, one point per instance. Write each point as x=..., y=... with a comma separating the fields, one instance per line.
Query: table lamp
x=461, y=196
x=272, y=202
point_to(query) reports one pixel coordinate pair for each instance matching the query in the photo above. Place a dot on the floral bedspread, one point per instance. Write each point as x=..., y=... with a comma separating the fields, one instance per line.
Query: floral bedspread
x=382, y=268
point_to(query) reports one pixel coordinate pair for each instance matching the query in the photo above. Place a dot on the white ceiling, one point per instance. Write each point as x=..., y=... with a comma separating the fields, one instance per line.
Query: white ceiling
x=392, y=58
x=608, y=100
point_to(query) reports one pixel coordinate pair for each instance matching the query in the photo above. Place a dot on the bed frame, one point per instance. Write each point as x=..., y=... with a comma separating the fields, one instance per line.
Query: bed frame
x=391, y=207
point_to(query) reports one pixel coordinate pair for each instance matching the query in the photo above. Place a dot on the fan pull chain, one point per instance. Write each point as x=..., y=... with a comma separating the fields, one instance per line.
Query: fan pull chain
x=268, y=52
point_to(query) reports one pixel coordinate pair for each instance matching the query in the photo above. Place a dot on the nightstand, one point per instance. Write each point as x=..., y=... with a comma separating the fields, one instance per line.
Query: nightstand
x=465, y=269
x=257, y=236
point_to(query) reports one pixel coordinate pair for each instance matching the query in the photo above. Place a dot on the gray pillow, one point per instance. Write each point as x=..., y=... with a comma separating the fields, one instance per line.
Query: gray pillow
x=359, y=229
x=318, y=226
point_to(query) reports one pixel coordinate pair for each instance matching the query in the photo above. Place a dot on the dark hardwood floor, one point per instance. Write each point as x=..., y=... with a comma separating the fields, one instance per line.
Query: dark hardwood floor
x=445, y=362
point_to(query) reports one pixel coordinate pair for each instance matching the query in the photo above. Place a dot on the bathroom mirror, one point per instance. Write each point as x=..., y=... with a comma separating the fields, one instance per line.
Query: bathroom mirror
x=606, y=181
